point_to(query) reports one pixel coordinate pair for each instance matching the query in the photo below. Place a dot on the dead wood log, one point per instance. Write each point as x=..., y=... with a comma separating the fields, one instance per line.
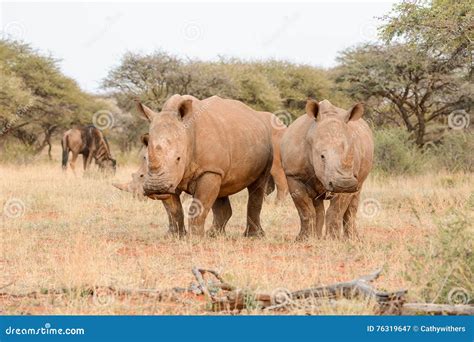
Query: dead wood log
x=436, y=309
x=226, y=297
x=389, y=302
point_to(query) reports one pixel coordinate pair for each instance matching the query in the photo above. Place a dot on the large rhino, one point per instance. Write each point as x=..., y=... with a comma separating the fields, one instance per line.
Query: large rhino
x=327, y=154
x=278, y=178
x=210, y=149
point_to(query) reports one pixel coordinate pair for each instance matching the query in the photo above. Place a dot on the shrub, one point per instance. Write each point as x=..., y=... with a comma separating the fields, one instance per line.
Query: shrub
x=454, y=153
x=395, y=153
x=17, y=153
x=445, y=268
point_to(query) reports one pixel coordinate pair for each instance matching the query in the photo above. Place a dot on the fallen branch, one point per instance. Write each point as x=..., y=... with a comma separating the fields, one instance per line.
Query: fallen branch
x=226, y=297
x=389, y=302
x=436, y=309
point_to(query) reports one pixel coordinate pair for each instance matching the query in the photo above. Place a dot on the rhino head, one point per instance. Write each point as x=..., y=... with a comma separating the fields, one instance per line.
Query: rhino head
x=135, y=186
x=168, y=146
x=332, y=150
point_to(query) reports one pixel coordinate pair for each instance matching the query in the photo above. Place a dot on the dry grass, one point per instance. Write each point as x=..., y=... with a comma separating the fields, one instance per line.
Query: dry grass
x=81, y=232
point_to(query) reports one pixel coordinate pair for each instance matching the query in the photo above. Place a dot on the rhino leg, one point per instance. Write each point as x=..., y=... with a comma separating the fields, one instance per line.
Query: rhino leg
x=349, y=219
x=254, y=205
x=318, y=204
x=174, y=209
x=335, y=214
x=207, y=190
x=281, y=184
x=306, y=209
x=222, y=211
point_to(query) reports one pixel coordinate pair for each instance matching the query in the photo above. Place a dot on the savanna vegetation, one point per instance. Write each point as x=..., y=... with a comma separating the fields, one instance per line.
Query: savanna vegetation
x=415, y=215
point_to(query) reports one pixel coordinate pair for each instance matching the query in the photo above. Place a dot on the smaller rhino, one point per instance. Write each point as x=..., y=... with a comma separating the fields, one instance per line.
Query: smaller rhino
x=172, y=203
x=327, y=154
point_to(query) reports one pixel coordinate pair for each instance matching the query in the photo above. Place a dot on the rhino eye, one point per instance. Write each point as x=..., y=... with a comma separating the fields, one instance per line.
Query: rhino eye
x=178, y=159
x=322, y=156
x=141, y=176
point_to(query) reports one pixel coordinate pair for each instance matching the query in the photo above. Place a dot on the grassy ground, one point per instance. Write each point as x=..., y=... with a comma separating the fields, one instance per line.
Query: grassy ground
x=75, y=232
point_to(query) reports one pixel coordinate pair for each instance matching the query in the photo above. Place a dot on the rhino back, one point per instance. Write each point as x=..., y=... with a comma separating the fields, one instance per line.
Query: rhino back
x=232, y=139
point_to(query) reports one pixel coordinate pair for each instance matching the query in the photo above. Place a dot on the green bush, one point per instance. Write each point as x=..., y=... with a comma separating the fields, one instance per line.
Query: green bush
x=445, y=268
x=17, y=153
x=396, y=154
x=454, y=153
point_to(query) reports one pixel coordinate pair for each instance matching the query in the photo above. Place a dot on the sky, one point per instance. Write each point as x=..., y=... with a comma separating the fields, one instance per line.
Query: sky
x=89, y=38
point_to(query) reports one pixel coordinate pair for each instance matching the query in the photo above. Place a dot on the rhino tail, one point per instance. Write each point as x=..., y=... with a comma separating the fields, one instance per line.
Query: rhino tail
x=270, y=186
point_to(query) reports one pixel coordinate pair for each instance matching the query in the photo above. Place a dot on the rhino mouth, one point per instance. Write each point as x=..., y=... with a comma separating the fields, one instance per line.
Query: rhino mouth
x=158, y=190
x=345, y=185
x=159, y=197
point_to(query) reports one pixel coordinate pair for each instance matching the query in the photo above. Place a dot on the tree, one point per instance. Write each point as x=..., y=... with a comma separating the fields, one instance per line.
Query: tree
x=269, y=85
x=36, y=99
x=442, y=28
x=404, y=80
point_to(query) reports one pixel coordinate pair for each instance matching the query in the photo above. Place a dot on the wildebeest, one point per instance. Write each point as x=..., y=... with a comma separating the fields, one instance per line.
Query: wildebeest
x=327, y=153
x=91, y=143
x=210, y=149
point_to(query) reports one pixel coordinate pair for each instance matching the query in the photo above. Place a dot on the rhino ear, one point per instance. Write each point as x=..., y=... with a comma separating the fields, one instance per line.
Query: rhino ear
x=356, y=112
x=185, y=108
x=312, y=108
x=146, y=112
x=144, y=138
